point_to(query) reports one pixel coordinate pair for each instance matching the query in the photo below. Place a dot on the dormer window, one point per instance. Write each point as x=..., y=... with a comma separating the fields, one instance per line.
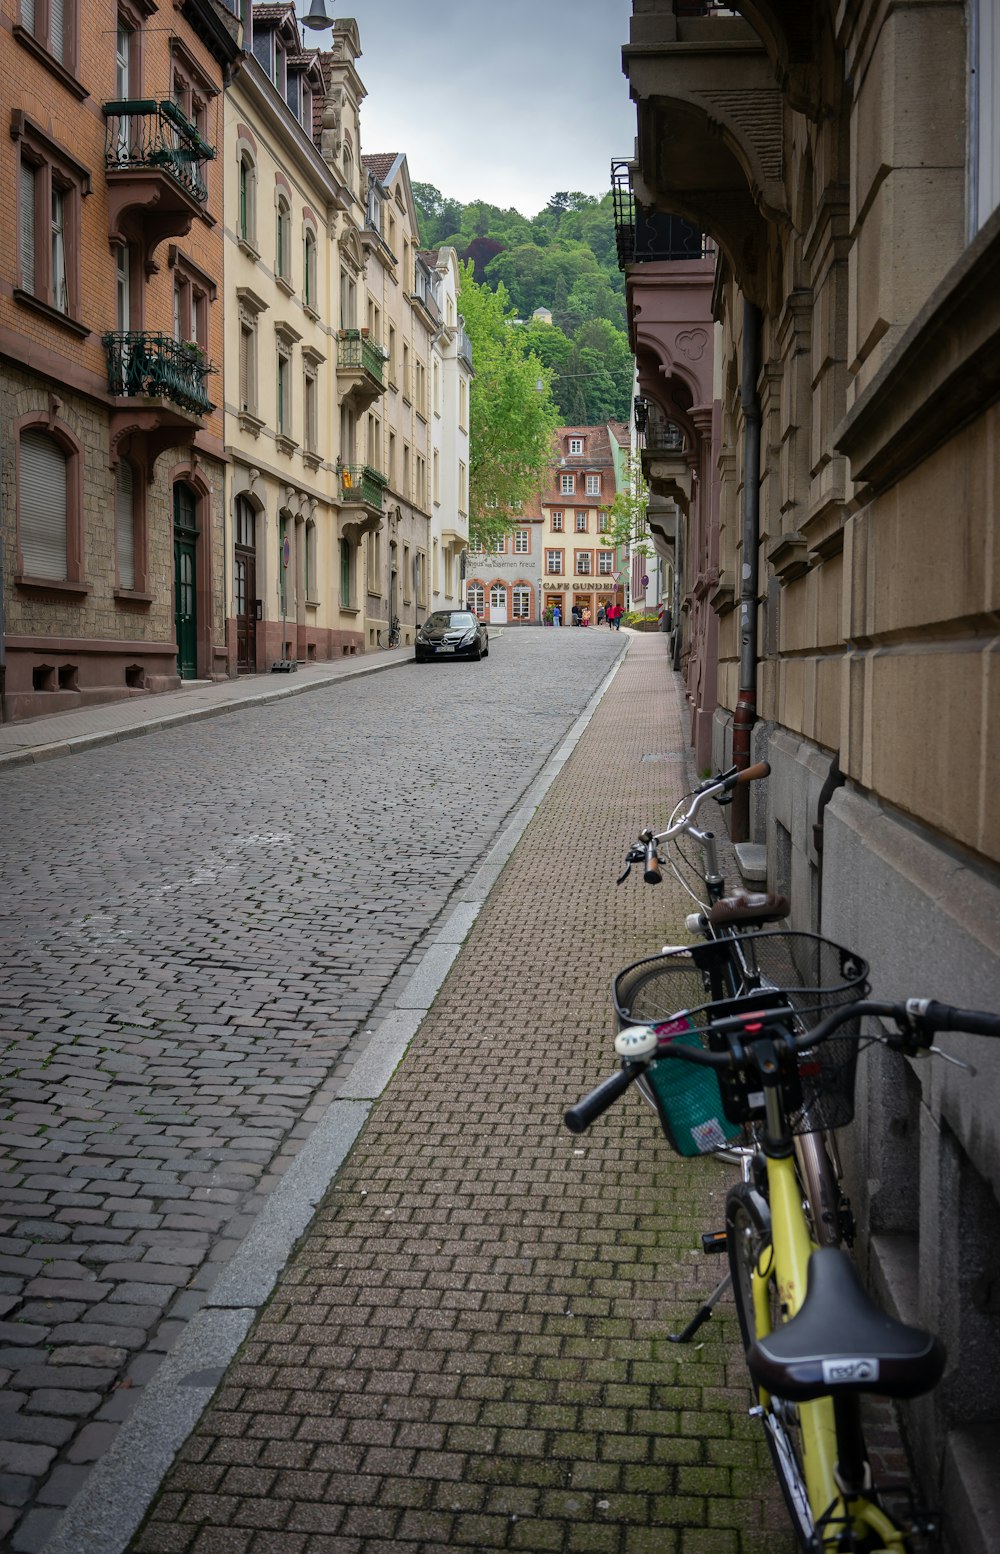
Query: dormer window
x=576, y=445
x=263, y=49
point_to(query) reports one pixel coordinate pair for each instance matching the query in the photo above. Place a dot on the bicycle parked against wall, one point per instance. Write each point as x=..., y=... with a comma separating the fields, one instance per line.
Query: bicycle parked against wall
x=390, y=637
x=782, y=1061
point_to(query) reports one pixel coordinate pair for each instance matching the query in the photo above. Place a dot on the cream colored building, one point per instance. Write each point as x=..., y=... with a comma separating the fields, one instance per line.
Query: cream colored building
x=843, y=157
x=296, y=517
x=393, y=437
x=451, y=371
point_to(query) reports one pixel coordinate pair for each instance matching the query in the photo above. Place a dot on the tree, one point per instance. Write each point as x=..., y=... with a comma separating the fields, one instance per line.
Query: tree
x=627, y=521
x=512, y=415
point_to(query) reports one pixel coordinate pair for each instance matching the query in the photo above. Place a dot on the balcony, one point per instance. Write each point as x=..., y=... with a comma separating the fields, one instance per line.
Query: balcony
x=159, y=384
x=360, y=368
x=155, y=161
x=362, y=490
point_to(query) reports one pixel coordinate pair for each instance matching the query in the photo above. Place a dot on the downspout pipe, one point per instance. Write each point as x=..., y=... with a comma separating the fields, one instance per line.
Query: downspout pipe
x=746, y=705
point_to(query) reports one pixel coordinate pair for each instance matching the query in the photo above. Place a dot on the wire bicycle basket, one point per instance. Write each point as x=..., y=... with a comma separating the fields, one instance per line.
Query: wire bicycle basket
x=799, y=972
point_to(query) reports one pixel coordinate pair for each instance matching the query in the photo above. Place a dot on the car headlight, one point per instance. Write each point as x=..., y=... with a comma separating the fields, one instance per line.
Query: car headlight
x=470, y=636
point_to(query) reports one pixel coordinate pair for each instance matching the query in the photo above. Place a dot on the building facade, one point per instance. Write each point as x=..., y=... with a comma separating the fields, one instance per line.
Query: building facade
x=292, y=183
x=110, y=340
x=843, y=158
x=504, y=585
x=581, y=569
x=451, y=372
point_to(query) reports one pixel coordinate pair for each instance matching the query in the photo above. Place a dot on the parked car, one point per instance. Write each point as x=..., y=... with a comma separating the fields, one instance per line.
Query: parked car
x=451, y=634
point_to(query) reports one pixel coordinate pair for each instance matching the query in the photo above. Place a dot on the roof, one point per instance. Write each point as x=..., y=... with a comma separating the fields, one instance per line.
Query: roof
x=380, y=163
x=598, y=444
x=273, y=13
x=622, y=432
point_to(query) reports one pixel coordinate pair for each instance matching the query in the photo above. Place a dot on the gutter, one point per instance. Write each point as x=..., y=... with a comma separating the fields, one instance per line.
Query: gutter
x=745, y=715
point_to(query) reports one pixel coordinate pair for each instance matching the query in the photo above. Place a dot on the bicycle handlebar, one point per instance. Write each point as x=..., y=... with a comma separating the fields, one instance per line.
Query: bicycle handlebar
x=917, y=1020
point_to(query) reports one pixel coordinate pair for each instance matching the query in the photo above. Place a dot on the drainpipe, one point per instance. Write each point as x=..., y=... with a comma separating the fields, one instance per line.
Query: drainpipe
x=746, y=706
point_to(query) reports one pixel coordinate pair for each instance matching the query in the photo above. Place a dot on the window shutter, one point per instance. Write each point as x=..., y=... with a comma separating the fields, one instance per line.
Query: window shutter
x=26, y=227
x=57, y=29
x=28, y=15
x=125, y=524
x=245, y=400
x=41, y=496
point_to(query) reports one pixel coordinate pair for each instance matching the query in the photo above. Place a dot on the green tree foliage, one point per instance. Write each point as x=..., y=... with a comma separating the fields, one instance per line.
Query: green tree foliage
x=628, y=525
x=512, y=415
x=564, y=259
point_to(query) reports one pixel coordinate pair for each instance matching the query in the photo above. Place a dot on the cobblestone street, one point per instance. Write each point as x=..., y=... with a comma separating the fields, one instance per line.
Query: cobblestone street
x=197, y=923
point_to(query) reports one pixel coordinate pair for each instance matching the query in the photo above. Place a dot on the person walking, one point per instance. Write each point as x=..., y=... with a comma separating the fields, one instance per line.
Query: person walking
x=619, y=612
x=556, y=615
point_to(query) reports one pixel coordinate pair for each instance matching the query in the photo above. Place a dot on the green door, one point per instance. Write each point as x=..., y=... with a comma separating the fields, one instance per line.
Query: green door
x=185, y=580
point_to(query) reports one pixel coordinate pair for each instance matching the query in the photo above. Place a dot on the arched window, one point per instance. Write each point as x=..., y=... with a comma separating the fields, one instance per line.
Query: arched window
x=475, y=598
x=283, y=240
x=310, y=294
x=47, y=507
x=248, y=198
x=125, y=537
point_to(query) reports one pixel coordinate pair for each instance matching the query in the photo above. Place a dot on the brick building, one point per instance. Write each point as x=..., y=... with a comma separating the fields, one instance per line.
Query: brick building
x=580, y=567
x=110, y=326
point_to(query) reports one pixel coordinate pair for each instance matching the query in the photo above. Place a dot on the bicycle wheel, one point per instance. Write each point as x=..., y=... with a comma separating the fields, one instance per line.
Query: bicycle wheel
x=748, y=1243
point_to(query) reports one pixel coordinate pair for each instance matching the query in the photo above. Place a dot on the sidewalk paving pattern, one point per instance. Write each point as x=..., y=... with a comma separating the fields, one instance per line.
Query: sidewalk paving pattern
x=200, y=928
x=467, y=1348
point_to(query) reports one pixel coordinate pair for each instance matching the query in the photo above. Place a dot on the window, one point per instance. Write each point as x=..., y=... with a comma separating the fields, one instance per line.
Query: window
x=554, y=562
x=520, y=603
x=500, y=544
x=593, y=485
x=475, y=598
x=463, y=489
x=192, y=293
x=53, y=25
x=310, y=424
x=346, y=573
x=421, y=493
x=392, y=355
x=310, y=295
x=463, y=404
x=581, y=523
x=557, y=523
x=283, y=241
x=420, y=374
x=348, y=301
x=583, y=563
x=406, y=470
x=436, y=368
x=576, y=445
x=522, y=542
x=248, y=199
x=48, y=506
x=390, y=468
x=406, y=371
x=373, y=443
x=310, y=560
x=248, y=366
x=567, y=485
x=284, y=416
x=605, y=562
x=603, y=520
x=437, y=475
x=127, y=487
x=50, y=186
x=375, y=562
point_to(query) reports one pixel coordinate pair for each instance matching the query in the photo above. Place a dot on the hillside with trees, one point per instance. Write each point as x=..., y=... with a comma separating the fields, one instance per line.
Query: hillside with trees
x=563, y=260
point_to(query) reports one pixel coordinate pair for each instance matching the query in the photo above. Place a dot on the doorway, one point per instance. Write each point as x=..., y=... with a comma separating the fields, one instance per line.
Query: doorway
x=498, y=604
x=245, y=587
x=186, y=580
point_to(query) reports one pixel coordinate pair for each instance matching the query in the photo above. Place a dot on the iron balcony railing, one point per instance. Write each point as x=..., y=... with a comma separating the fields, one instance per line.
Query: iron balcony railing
x=362, y=483
x=144, y=133
x=664, y=436
x=356, y=350
x=642, y=236
x=464, y=346
x=157, y=367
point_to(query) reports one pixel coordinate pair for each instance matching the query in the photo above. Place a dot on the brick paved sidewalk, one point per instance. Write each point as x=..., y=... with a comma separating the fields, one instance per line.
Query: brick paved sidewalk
x=467, y=1349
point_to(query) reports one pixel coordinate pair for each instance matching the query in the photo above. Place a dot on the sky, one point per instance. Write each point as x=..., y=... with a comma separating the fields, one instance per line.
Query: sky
x=503, y=102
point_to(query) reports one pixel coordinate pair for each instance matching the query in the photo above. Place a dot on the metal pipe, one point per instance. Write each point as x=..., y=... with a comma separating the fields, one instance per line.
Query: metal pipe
x=745, y=714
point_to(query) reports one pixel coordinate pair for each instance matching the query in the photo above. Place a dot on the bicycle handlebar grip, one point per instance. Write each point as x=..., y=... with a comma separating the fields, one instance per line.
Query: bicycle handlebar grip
x=752, y=773
x=977, y=1022
x=651, y=869
x=580, y=1116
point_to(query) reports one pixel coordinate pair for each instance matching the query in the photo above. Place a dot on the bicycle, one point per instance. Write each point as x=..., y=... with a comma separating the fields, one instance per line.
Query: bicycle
x=814, y=1340
x=391, y=635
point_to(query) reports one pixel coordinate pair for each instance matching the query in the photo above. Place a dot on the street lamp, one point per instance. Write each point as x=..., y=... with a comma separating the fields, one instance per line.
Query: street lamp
x=316, y=18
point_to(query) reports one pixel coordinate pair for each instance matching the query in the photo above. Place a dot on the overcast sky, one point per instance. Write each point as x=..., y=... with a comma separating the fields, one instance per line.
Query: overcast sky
x=500, y=102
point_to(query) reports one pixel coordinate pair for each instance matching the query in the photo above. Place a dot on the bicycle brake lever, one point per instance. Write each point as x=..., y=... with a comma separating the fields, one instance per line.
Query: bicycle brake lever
x=950, y=1057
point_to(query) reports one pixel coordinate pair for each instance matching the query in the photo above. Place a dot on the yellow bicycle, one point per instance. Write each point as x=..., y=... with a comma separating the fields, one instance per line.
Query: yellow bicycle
x=815, y=1341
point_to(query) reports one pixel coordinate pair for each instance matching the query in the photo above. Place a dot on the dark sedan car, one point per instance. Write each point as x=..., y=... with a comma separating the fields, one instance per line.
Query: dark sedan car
x=451, y=634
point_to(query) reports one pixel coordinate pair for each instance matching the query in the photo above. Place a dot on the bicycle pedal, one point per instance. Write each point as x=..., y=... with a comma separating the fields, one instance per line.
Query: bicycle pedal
x=714, y=1241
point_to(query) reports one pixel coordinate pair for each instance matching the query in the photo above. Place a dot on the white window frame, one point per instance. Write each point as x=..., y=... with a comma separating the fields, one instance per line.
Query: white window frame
x=567, y=485
x=593, y=485
x=553, y=563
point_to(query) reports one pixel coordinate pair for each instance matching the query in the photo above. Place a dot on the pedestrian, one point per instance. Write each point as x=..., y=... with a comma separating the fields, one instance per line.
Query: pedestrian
x=618, y=617
x=556, y=615
x=586, y=615
x=609, y=616
x=600, y=615
x=575, y=613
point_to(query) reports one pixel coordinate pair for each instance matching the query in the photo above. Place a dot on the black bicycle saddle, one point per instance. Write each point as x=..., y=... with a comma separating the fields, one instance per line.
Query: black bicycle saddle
x=840, y=1341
